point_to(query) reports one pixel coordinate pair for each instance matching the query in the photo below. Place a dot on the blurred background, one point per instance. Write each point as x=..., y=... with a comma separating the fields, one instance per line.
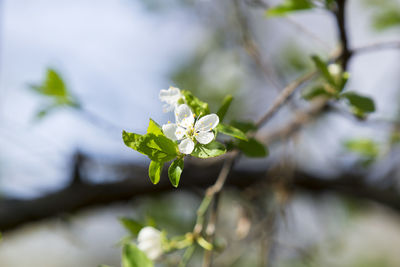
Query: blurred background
x=328, y=195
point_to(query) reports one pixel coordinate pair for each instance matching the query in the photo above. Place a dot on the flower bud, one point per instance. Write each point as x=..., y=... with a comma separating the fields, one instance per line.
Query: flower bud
x=150, y=242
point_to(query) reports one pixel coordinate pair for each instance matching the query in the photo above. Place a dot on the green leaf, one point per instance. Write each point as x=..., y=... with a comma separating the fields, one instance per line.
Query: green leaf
x=210, y=150
x=362, y=103
x=363, y=146
x=244, y=126
x=367, y=149
x=224, y=107
x=231, y=131
x=53, y=85
x=386, y=19
x=134, y=257
x=252, y=148
x=198, y=107
x=155, y=169
x=132, y=140
x=175, y=171
x=289, y=6
x=154, y=128
x=316, y=92
x=322, y=67
x=131, y=225
x=157, y=147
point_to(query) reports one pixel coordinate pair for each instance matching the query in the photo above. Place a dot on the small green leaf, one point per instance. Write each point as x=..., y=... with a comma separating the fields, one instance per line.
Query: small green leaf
x=224, y=107
x=198, y=107
x=289, y=6
x=363, y=146
x=316, y=92
x=157, y=147
x=154, y=128
x=231, y=131
x=134, y=257
x=131, y=225
x=175, y=171
x=362, y=103
x=132, y=140
x=244, y=126
x=322, y=67
x=155, y=169
x=252, y=148
x=210, y=150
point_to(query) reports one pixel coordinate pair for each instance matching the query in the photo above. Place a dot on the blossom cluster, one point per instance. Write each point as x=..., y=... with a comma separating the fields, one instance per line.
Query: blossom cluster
x=187, y=128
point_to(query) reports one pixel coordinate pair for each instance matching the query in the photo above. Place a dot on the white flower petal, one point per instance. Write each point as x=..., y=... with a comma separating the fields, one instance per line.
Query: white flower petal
x=170, y=96
x=205, y=137
x=207, y=123
x=169, y=130
x=186, y=146
x=168, y=108
x=154, y=252
x=180, y=132
x=147, y=233
x=184, y=116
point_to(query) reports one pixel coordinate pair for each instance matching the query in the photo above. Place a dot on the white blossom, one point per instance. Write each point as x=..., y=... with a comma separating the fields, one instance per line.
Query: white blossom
x=188, y=130
x=170, y=97
x=334, y=69
x=150, y=242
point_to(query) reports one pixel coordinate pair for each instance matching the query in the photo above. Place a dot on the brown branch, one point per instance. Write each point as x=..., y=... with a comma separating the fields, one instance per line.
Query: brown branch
x=376, y=47
x=283, y=97
x=340, y=15
x=15, y=213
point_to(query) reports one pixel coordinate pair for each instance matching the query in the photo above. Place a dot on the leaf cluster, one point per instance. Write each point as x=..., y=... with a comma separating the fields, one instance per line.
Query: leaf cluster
x=54, y=89
x=332, y=86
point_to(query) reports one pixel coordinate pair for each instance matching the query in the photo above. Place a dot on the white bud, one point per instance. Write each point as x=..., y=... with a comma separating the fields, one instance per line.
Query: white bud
x=150, y=242
x=334, y=69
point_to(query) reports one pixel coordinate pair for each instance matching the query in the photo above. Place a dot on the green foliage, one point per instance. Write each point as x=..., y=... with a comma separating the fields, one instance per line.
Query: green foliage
x=316, y=92
x=155, y=170
x=231, y=131
x=157, y=147
x=289, y=6
x=154, y=128
x=365, y=148
x=224, y=107
x=131, y=225
x=360, y=104
x=199, y=107
x=322, y=67
x=252, y=148
x=134, y=257
x=175, y=171
x=210, y=150
x=54, y=88
x=386, y=14
x=244, y=126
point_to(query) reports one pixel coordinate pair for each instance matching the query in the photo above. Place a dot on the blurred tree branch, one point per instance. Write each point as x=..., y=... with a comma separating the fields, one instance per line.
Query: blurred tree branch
x=79, y=196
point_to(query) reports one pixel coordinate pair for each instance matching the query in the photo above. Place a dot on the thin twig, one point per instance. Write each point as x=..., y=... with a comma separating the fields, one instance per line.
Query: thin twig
x=376, y=47
x=283, y=97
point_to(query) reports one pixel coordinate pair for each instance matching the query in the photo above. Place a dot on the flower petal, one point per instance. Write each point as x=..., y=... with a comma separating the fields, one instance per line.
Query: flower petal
x=184, y=116
x=186, y=146
x=170, y=131
x=180, y=132
x=147, y=233
x=205, y=137
x=170, y=96
x=207, y=123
